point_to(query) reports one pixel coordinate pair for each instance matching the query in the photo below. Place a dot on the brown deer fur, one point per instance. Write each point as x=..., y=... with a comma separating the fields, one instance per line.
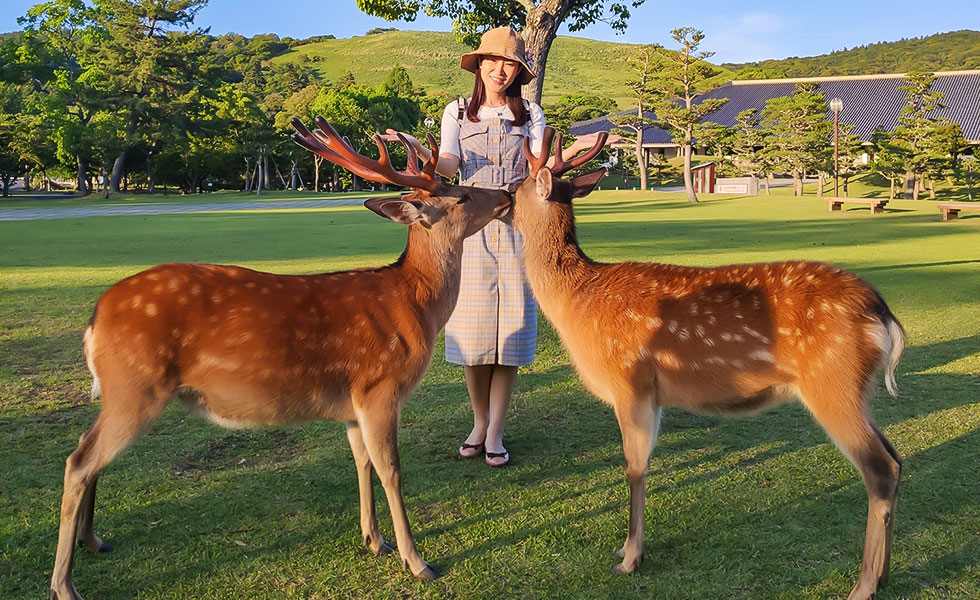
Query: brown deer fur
x=246, y=348
x=731, y=339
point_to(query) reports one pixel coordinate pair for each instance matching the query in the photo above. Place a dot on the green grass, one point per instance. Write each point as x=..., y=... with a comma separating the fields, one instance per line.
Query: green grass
x=756, y=508
x=432, y=60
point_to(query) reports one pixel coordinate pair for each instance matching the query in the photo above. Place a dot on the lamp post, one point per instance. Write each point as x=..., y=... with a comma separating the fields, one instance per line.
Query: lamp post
x=429, y=122
x=836, y=105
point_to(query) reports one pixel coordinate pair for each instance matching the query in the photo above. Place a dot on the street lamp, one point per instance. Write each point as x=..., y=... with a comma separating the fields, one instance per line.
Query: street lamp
x=836, y=105
x=429, y=122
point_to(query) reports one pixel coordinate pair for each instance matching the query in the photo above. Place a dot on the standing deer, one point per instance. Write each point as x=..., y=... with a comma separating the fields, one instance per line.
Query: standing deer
x=246, y=348
x=730, y=339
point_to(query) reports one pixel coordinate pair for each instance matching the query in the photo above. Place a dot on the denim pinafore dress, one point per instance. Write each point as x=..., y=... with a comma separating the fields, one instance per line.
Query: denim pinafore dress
x=495, y=320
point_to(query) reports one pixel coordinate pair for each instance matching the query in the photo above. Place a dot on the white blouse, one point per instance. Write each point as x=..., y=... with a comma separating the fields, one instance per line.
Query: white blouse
x=450, y=126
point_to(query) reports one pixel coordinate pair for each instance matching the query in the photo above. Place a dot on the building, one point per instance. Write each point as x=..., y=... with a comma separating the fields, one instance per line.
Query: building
x=870, y=101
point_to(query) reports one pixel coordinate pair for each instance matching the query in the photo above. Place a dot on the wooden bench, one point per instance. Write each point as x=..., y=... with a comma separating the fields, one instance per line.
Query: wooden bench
x=877, y=204
x=952, y=211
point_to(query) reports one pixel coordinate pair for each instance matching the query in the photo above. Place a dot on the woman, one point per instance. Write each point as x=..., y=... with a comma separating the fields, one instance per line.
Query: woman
x=493, y=330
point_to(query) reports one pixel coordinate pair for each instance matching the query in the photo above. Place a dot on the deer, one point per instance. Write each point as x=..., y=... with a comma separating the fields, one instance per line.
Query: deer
x=725, y=340
x=245, y=348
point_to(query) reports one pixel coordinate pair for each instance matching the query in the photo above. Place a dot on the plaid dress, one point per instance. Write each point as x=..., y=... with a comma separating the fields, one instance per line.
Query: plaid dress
x=496, y=316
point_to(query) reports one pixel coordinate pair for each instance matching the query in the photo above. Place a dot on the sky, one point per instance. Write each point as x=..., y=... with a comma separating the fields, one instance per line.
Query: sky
x=735, y=31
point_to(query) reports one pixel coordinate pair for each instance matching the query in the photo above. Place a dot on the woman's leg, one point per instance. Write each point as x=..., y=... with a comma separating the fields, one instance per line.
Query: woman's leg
x=501, y=390
x=478, y=386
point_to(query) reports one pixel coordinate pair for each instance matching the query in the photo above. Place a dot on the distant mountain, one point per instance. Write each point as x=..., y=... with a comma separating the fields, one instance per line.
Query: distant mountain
x=953, y=51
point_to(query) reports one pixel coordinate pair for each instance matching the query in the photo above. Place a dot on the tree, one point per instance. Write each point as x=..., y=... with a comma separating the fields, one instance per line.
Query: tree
x=399, y=82
x=644, y=64
x=537, y=20
x=797, y=133
x=148, y=64
x=748, y=141
x=681, y=78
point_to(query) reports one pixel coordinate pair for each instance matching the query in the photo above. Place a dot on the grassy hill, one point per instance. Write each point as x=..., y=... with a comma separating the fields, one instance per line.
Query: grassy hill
x=575, y=65
x=579, y=65
x=950, y=51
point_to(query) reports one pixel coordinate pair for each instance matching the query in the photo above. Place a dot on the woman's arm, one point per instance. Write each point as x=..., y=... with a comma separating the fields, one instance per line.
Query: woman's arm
x=447, y=163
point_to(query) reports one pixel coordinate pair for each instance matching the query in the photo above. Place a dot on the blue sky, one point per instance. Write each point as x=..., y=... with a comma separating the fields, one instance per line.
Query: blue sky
x=735, y=31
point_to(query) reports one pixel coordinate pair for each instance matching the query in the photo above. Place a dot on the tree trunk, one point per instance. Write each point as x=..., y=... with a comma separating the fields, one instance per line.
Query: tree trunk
x=915, y=188
x=106, y=167
x=891, y=188
x=821, y=181
x=909, y=184
x=316, y=172
x=6, y=187
x=27, y=181
x=641, y=163
x=336, y=182
x=768, y=191
x=539, y=32
x=151, y=181
x=932, y=189
x=797, y=184
x=293, y=177
x=117, y=172
x=845, y=186
x=259, y=179
x=266, y=175
x=688, y=181
x=80, y=181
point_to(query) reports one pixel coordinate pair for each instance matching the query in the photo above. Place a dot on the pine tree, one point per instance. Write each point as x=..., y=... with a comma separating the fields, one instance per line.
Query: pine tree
x=644, y=64
x=798, y=133
x=682, y=77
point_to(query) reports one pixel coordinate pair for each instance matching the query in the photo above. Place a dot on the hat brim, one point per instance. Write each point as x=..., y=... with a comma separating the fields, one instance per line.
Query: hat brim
x=471, y=62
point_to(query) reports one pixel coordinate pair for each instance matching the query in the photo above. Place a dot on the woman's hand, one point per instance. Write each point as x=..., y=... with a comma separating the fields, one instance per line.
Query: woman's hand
x=585, y=142
x=390, y=135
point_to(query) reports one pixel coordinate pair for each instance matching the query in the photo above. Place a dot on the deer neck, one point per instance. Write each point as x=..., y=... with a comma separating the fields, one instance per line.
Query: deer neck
x=556, y=265
x=431, y=266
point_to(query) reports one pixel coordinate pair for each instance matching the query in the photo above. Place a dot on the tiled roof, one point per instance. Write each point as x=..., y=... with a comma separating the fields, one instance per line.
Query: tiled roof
x=869, y=101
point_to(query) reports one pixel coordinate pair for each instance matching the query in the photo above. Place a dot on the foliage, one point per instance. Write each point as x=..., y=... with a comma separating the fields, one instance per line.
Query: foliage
x=798, y=133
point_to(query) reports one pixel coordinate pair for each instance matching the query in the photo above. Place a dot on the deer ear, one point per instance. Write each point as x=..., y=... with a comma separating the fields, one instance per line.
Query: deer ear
x=543, y=182
x=584, y=184
x=403, y=212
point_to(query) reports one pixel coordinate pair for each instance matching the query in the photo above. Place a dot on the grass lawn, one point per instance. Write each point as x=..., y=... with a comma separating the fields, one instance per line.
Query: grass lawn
x=755, y=508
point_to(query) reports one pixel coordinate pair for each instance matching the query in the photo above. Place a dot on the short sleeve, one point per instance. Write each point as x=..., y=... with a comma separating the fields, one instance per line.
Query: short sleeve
x=449, y=139
x=536, y=127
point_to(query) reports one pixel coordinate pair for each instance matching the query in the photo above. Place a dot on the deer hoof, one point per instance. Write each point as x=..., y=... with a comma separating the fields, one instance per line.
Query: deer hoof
x=102, y=547
x=621, y=553
x=426, y=574
x=382, y=549
x=622, y=569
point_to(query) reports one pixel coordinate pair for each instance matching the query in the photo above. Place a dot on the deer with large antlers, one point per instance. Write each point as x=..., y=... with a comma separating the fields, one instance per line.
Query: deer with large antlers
x=246, y=348
x=731, y=339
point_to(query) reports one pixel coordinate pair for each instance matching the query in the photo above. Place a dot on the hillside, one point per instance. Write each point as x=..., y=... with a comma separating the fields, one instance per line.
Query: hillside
x=953, y=51
x=575, y=65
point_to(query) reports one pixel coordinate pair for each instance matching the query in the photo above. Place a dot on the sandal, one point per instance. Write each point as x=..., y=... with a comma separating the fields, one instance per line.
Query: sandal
x=477, y=449
x=491, y=455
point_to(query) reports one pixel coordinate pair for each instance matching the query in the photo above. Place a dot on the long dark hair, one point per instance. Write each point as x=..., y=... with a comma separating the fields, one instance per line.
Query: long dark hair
x=514, y=101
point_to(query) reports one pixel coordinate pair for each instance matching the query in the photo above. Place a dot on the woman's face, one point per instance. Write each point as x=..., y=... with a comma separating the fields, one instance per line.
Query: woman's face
x=498, y=73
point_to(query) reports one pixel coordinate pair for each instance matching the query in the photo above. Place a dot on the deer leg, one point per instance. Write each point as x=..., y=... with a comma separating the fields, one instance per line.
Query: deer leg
x=86, y=535
x=880, y=467
x=639, y=423
x=379, y=427
x=370, y=534
x=112, y=433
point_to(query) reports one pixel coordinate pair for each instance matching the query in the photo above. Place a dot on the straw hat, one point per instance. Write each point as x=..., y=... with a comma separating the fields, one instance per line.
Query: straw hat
x=503, y=42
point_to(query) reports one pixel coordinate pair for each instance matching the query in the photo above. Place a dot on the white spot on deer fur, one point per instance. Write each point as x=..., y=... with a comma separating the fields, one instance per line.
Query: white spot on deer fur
x=157, y=289
x=136, y=301
x=196, y=289
x=715, y=360
x=653, y=322
x=683, y=334
x=672, y=327
x=629, y=312
x=784, y=331
x=182, y=300
x=712, y=320
x=755, y=334
x=763, y=355
x=667, y=359
x=810, y=313
x=709, y=342
x=699, y=330
x=151, y=310
x=693, y=308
